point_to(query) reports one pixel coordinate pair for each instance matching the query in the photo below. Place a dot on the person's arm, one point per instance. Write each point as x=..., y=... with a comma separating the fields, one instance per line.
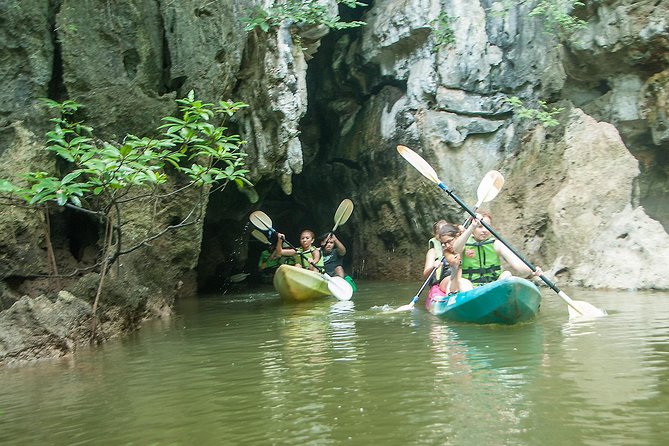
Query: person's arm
x=430, y=263
x=315, y=257
x=514, y=261
x=262, y=263
x=279, y=247
x=339, y=246
x=461, y=241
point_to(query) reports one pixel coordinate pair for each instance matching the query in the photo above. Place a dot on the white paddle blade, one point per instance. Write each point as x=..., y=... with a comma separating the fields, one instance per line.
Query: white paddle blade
x=260, y=236
x=579, y=308
x=339, y=287
x=407, y=307
x=343, y=213
x=584, y=309
x=261, y=220
x=419, y=163
x=490, y=186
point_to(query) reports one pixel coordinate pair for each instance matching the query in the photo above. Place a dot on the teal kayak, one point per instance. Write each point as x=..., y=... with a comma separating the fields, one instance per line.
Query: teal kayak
x=506, y=301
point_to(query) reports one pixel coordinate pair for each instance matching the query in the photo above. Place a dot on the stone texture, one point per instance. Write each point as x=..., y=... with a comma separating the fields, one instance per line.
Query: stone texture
x=40, y=328
x=324, y=123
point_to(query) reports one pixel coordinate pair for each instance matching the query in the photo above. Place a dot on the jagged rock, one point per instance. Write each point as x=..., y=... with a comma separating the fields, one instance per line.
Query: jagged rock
x=39, y=328
x=390, y=82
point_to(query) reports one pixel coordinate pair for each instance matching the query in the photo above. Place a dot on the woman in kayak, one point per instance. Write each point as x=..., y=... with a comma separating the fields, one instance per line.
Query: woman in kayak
x=307, y=255
x=434, y=257
x=453, y=282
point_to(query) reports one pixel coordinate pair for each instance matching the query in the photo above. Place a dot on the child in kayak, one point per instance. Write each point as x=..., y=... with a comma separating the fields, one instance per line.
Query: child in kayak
x=333, y=250
x=307, y=255
x=482, y=253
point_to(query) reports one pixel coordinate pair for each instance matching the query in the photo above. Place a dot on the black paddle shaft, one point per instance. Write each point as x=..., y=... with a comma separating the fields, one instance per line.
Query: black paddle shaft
x=546, y=280
x=290, y=245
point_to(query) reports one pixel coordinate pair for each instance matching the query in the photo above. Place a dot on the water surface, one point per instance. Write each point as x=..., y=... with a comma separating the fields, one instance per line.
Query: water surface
x=246, y=369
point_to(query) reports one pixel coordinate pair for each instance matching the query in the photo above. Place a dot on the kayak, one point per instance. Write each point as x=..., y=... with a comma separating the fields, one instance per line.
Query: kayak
x=506, y=301
x=299, y=284
x=350, y=281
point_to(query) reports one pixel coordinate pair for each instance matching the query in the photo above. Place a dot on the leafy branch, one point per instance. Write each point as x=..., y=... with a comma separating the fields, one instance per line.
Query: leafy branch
x=103, y=178
x=303, y=12
x=544, y=114
x=557, y=16
x=442, y=30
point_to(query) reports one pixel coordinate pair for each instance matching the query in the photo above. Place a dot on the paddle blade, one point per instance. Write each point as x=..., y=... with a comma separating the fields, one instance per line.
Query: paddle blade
x=261, y=220
x=419, y=163
x=339, y=287
x=579, y=308
x=343, y=213
x=260, y=236
x=239, y=277
x=407, y=307
x=490, y=186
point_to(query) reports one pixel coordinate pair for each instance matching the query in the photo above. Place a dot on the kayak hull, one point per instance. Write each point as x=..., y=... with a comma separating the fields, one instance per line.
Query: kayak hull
x=299, y=284
x=507, y=301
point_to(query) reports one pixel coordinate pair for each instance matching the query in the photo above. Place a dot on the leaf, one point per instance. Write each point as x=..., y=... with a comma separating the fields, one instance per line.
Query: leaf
x=71, y=176
x=6, y=187
x=61, y=198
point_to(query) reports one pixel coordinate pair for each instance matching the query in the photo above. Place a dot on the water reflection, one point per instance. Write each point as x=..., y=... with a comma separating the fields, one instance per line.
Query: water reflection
x=246, y=369
x=481, y=375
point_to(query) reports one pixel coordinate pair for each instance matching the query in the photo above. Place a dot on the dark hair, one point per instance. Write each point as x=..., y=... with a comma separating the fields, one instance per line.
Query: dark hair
x=313, y=235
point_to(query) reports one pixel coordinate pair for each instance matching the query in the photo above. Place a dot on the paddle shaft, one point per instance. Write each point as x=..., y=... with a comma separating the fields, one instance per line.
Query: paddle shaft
x=417, y=296
x=271, y=230
x=546, y=280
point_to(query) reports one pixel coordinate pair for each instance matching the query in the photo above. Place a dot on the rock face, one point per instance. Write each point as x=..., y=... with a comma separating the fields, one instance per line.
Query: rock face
x=327, y=110
x=447, y=102
x=584, y=216
x=38, y=328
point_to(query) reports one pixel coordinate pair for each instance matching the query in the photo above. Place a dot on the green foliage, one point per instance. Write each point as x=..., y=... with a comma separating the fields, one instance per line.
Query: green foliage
x=191, y=144
x=542, y=114
x=556, y=16
x=308, y=12
x=442, y=30
x=102, y=178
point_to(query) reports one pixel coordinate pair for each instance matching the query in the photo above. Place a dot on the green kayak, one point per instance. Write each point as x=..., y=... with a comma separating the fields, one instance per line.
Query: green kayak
x=506, y=301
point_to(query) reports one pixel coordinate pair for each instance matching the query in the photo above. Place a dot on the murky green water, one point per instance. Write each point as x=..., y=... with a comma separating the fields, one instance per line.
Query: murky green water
x=245, y=369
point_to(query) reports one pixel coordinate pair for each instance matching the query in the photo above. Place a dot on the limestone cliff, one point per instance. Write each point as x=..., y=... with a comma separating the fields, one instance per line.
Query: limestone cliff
x=327, y=109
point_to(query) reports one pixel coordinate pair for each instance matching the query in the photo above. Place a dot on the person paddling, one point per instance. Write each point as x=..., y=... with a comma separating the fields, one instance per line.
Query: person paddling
x=307, y=255
x=433, y=256
x=452, y=281
x=481, y=254
x=333, y=251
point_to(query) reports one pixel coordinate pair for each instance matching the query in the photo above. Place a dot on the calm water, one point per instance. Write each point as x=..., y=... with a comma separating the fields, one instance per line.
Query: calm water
x=245, y=369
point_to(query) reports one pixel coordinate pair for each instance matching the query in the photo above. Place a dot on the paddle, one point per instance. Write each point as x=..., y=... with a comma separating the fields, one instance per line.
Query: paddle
x=410, y=305
x=341, y=215
x=488, y=189
x=260, y=237
x=580, y=307
x=339, y=287
x=239, y=277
